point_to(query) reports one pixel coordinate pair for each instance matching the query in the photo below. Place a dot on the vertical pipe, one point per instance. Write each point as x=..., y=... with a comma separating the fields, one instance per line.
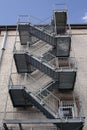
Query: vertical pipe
x=3, y=46
x=4, y=41
x=5, y=106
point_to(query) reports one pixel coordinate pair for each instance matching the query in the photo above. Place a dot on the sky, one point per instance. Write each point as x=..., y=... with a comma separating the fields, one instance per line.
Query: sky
x=41, y=10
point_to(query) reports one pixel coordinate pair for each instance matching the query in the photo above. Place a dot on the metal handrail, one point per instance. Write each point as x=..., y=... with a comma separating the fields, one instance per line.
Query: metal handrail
x=34, y=81
x=45, y=101
x=45, y=87
x=48, y=105
x=61, y=7
x=23, y=16
x=54, y=57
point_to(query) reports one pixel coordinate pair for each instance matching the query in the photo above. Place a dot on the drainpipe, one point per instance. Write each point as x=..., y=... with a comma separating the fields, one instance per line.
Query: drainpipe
x=3, y=46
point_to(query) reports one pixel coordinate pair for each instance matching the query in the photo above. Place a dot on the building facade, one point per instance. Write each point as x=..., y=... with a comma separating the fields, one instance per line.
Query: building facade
x=43, y=75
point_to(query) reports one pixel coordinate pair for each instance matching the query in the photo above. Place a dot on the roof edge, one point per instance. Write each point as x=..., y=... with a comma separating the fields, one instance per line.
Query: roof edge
x=13, y=27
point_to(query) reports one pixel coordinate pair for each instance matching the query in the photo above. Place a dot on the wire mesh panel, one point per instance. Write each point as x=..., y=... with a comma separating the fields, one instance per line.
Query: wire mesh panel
x=67, y=80
x=19, y=97
x=21, y=64
x=60, y=18
x=63, y=46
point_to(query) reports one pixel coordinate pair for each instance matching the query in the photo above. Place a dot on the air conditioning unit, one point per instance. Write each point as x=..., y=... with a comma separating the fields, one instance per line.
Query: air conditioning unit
x=66, y=112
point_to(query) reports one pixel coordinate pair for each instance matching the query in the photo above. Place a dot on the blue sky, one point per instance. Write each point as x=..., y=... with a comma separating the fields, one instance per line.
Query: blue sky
x=41, y=9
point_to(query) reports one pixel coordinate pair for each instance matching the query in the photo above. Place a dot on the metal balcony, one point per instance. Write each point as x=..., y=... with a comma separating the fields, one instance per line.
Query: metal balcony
x=24, y=124
x=62, y=70
x=63, y=110
x=52, y=106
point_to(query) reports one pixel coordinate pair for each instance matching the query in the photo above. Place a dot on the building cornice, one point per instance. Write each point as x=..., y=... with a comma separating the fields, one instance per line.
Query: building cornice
x=13, y=27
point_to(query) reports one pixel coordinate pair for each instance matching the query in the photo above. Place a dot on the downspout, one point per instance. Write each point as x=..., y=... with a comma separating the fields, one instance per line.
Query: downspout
x=3, y=47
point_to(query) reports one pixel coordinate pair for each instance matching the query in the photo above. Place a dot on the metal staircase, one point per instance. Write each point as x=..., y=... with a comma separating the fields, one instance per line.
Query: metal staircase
x=58, y=67
x=27, y=30
x=65, y=77
x=36, y=62
x=22, y=97
x=52, y=107
x=44, y=105
x=32, y=30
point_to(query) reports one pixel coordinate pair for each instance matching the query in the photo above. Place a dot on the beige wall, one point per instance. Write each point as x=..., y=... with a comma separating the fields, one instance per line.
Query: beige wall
x=80, y=48
x=79, y=43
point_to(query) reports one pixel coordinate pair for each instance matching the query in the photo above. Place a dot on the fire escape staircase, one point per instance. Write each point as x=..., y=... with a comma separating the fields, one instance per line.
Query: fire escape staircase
x=62, y=79
x=39, y=99
x=65, y=78
x=62, y=43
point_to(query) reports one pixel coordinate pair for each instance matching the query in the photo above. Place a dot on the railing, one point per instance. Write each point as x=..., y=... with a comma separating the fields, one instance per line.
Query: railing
x=34, y=84
x=36, y=22
x=53, y=104
x=50, y=100
x=62, y=63
x=23, y=114
x=23, y=19
x=26, y=125
x=55, y=62
x=45, y=87
x=41, y=24
x=60, y=7
x=32, y=19
x=49, y=105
